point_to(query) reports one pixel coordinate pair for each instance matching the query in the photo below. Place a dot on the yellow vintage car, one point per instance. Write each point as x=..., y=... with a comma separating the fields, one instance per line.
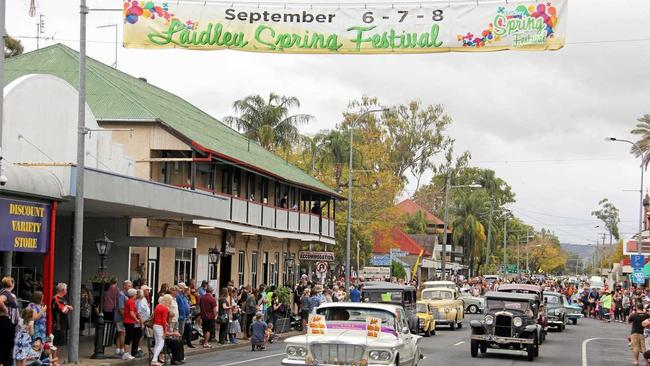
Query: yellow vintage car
x=427, y=321
x=446, y=306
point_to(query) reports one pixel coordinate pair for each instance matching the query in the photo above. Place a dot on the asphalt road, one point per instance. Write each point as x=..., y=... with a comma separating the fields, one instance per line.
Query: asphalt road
x=590, y=343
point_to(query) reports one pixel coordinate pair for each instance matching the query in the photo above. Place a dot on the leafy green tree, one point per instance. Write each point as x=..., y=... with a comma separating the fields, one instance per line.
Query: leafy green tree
x=416, y=223
x=609, y=215
x=269, y=121
x=468, y=229
x=397, y=270
x=13, y=47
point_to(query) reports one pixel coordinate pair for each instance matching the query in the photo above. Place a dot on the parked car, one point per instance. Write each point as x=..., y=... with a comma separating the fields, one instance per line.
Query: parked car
x=510, y=323
x=473, y=304
x=345, y=340
x=573, y=311
x=427, y=320
x=395, y=294
x=555, y=309
x=446, y=305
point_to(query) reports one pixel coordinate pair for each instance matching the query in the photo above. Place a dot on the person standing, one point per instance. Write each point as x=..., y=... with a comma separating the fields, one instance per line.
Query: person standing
x=130, y=320
x=224, y=319
x=636, y=337
x=122, y=339
x=109, y=301
x=355, y=294
x=207, y=305
x=40, y=315
x=8, y=320
x=251, y=310
x=160, y=317
x=608, y=311
x=305, y=308
x=85, y=307
x=60, y=311
x=144, y=313
x=183, y=311
x=23, y=338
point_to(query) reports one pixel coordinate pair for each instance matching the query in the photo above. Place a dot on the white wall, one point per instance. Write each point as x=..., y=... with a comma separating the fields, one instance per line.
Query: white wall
x=43, y=109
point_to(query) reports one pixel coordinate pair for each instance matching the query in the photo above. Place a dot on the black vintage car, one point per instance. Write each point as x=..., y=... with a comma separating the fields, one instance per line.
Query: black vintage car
x=510, y=323
x=391, y=293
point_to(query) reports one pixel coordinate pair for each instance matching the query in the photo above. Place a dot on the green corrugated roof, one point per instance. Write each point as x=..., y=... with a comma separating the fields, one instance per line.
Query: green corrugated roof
x=115, y=95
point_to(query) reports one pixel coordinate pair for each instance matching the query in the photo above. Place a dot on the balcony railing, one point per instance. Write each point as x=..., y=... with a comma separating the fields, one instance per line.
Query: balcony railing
x=242, y=211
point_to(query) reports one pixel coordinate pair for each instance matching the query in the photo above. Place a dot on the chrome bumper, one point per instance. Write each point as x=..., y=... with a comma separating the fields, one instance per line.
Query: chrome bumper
x=501, y=340
x=577, y=316
x=289, y=362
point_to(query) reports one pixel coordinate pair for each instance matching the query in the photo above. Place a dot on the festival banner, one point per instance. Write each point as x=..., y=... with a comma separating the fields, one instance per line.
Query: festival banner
x=346, y=29
x=24, y=226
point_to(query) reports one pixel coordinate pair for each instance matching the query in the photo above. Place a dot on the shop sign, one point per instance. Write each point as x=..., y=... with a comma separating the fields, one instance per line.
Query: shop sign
x=358, y=28
x=24, y=226
x=375, y=272
x=317, y=256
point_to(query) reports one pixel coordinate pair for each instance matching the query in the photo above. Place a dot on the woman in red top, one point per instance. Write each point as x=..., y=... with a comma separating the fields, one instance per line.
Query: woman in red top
x=132, y=324
x=160, y=316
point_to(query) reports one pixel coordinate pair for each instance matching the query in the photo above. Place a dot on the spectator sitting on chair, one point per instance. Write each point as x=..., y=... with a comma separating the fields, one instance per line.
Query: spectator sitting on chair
x=174, y=344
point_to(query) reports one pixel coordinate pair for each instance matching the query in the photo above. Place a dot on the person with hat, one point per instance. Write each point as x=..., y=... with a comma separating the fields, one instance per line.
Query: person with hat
x=130, y=318
x=144, y=312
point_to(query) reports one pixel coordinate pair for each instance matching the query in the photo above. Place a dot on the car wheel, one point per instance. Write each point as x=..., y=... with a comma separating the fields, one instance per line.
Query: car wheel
x=472, y=309
x=452, y=325
x=483, y=347
x=459, y=324
x=536, y=347
x=473, y=348
x=530, y=352
x=427, y=333
x=562, y=327
x=574, y=321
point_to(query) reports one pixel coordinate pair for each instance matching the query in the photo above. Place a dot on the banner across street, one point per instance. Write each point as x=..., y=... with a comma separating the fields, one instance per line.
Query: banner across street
x=346, y=29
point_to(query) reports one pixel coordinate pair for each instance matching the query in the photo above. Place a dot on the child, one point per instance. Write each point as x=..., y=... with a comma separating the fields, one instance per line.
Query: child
x=23, y=338
x=258, y=332
x=234, y=327
x=269, y=336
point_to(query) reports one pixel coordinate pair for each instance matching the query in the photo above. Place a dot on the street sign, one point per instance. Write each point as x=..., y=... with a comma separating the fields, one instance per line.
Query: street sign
x=321, y=267
x=316, y=256
x=375, y=272
x=637, y=261
x=510, y=268
x=638, y=277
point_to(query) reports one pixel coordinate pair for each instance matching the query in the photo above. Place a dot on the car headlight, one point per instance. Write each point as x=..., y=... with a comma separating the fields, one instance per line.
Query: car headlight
x=489, y=319
x=447, y=310
x=517, y=322
x=380, y=355
x=296, y=352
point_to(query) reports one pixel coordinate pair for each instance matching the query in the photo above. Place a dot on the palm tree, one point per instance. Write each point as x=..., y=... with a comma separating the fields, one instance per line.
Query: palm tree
x=643, y=130
x=467, y=227
x=13, y=47
x=269, y=122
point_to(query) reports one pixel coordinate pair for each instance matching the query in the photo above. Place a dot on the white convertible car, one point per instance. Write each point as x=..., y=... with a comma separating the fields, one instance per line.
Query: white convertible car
x=346, y=340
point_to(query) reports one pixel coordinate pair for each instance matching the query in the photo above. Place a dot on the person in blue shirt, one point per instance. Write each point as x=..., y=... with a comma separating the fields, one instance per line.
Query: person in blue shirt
x=355, y=294
x=183, y=314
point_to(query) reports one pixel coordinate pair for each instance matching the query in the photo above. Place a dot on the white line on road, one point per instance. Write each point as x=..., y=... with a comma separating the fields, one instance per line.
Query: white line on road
x=459, y=343
x=584, y=347
x=253, y=359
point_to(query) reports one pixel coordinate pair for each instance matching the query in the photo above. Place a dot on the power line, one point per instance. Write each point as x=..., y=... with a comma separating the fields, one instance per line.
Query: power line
x=549, y=160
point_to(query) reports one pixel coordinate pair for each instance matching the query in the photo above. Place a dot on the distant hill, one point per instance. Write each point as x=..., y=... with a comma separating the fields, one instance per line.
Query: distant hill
x=585, y=251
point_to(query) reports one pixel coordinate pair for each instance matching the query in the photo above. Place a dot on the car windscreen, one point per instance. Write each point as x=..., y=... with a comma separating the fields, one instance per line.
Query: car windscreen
x=422, y=308
x=550, y=299
x=383, y=296
x=496, y=304
x=436, y=295
x=344, y=314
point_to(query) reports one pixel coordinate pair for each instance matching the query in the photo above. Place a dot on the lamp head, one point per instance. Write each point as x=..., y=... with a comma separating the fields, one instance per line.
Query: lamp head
x=608, y=139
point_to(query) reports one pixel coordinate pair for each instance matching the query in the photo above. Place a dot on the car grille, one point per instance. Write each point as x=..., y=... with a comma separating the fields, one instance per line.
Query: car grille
x=337, y=354
x=503, y=326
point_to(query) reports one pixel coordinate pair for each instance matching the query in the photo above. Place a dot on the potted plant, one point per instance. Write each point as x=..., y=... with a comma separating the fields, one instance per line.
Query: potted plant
x=99, y=280
x=285, y=297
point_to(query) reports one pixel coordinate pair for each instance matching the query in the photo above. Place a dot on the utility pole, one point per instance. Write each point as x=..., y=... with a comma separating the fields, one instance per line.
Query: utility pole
x=527, y=250
x=489, y=236
x=77, y=245
x=505, y=240
x=6, y=256
x=40, y=29
x=518, y=260
x=443, y=274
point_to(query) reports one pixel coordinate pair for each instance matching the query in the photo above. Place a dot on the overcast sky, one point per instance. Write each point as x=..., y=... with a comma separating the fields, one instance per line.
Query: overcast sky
x=537, y=118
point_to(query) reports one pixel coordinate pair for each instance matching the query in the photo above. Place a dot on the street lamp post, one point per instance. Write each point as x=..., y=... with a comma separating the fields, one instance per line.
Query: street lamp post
x=103, y=248
x=349, y=223
x=448, y=188
x=643, y=159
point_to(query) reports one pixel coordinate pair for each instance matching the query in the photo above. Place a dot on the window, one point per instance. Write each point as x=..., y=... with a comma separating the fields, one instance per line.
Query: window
x=242, y=265
x=183, y=265
x=254, y=269
x=212, y=270
x=250, y=186
x=276, y=269
x=265, y=268
x=225, y=181
x=265, y=190
x=236, y=175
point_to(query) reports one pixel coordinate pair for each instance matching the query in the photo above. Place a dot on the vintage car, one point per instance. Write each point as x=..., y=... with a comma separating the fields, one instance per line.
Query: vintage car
x=427, y=320
x=446, y=305
x=510, y=323
x=473, y=304
x=573, y=311
x=542, y=318
x=390, y=293
x=555, y=309
x=345, y=340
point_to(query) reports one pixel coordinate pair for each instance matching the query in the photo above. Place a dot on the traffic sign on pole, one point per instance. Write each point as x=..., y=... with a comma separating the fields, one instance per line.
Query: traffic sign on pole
x=321, y=267
x=637, y=261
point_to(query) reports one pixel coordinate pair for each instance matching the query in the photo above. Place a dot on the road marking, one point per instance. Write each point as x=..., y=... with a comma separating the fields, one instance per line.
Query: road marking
x=254, y=359
x=459, y=343
x=584, y=347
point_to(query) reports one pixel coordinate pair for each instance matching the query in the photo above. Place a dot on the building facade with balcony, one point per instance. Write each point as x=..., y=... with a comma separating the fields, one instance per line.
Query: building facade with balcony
x=204, y=187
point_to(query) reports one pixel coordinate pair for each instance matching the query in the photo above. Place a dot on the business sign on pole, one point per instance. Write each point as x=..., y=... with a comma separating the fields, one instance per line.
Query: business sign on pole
x=375, y=273
x=638, y=277
x=390, y=28
x=637, y=261
x=24, y=226
x=317, y=256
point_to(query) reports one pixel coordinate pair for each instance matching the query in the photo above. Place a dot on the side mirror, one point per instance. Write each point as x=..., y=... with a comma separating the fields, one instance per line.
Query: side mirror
x=406, y=330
